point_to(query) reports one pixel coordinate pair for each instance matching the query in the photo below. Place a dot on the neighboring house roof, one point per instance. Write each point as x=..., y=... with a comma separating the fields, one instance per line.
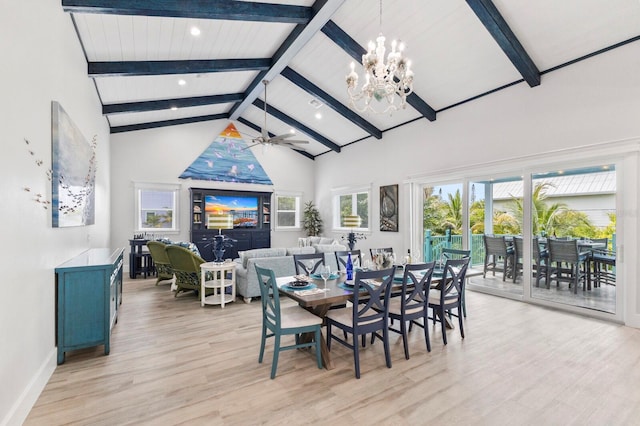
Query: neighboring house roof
x=563, y=186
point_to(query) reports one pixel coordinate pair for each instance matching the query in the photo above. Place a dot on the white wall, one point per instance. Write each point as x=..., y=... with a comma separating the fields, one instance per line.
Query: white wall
x=41, y=61
x=592, y=102
x=161, y=155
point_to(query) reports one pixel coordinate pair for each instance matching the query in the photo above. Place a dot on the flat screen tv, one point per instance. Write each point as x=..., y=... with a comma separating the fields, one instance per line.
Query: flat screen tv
x=244, y=208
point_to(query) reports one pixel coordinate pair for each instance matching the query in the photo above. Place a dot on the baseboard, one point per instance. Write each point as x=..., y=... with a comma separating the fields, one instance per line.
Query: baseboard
x=21, y=408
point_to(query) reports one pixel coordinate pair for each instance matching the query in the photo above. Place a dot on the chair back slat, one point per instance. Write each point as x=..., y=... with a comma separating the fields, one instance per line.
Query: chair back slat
x=563, y=250
x=341, y=259
x=269, y=296
x=449, y=253
x=372, y=252
x=453, y=280
x=302, y=261
x=370, y=300
x=416, y=282
x=495, y=245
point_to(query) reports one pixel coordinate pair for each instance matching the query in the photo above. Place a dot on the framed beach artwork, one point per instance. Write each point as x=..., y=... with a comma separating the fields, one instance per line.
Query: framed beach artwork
x=73, y=172
x=389, y=208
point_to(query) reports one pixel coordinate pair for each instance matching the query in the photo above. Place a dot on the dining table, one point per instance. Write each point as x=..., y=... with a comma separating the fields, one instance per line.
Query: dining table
x=319, y=299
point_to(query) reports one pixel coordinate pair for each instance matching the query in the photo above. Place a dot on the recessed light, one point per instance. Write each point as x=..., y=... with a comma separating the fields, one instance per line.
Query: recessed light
x=318, y=115
x=292, y=131
x=174, y=108
x=315, y=103
x=195, y=31
x=560, y=172
x=182, y=82
x=605, y=167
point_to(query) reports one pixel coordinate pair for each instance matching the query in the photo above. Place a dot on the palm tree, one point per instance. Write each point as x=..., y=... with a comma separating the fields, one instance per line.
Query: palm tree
x=453, y=213
x=551, y=218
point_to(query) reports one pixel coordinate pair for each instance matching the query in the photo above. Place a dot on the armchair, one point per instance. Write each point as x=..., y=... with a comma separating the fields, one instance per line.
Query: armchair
x=161, y=261
x=186, y=267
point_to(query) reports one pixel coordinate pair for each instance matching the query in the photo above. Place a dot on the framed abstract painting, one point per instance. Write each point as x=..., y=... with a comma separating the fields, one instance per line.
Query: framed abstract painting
x=389, y=208
x=73, y=172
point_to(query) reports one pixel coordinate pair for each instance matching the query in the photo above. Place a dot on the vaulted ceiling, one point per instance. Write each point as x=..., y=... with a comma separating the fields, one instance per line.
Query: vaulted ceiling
x=138, y=52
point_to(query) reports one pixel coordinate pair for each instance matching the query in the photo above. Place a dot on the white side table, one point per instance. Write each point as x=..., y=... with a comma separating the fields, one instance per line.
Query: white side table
x=218, y=282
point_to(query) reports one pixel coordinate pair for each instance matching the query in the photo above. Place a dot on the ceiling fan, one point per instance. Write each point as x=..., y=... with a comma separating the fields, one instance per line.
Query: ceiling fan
x=265, y=139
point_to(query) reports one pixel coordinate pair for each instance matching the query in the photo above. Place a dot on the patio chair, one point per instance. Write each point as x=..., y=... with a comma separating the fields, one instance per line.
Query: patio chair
x=278, y=322
x=161, y=261
x=498, y=255
x=518, y=252
x=575, y=271
x=540, y=262
x=603, y=264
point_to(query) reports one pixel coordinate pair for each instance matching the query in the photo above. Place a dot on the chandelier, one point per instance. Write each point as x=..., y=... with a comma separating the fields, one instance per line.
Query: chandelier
x=383, y=81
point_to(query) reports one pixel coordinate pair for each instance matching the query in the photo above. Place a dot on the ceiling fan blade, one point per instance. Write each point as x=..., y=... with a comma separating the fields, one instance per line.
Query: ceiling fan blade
x=250, y=146
x=294, y=142
x=282, y=136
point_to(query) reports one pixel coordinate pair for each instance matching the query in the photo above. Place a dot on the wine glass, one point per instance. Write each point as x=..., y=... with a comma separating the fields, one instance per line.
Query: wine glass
x=325, y=273
x=366, y=264
x=309, y=264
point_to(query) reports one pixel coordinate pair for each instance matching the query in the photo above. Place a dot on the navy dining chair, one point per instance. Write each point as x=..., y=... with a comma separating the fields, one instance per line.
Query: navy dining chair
x=412, y=304
x=369, y=313
x=447, y=296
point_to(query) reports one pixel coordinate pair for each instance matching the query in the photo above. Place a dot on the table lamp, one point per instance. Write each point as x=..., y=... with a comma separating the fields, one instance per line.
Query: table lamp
x=219, y=222
x=352, y=221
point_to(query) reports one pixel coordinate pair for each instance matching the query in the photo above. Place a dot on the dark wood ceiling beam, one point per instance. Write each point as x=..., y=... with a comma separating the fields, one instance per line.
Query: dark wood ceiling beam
x=163, y=104
x=493, y=21
x=166, y=123
x=295, y=41
x=137, y=68
x=297, y=125
x=331, y=102
x=212, y=9
x=353, y=49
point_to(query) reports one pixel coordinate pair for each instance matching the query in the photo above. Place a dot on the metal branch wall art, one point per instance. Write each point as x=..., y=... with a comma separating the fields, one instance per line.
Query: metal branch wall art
x=37, y=197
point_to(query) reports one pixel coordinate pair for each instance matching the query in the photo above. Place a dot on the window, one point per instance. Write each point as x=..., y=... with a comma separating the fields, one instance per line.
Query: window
x=156, y=207
x=351, y=201
x=288, y=211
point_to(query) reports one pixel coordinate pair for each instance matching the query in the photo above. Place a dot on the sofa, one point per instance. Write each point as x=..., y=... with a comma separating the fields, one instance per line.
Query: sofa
x=280, y=260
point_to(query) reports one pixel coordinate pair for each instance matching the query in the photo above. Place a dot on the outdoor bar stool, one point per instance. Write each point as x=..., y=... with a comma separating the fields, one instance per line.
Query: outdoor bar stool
x=566, y=251
x=498, y=255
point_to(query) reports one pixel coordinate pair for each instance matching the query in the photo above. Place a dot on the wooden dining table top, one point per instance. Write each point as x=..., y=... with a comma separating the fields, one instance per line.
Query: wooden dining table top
x=335, y=294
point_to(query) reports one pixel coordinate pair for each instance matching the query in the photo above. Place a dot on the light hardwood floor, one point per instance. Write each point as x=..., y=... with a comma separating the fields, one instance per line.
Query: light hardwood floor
x=173, y=362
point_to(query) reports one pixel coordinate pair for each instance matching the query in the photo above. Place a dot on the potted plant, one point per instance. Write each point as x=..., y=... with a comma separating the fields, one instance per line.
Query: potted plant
x=312, y=222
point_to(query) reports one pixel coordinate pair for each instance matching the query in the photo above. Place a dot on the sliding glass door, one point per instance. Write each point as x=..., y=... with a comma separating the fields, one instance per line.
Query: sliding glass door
x=442, y=219
x=495, y=220
x=542, y=234
x=574, y=244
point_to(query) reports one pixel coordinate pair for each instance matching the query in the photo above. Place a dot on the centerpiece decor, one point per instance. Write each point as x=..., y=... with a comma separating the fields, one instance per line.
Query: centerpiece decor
x=353, y=221
x=220, y=242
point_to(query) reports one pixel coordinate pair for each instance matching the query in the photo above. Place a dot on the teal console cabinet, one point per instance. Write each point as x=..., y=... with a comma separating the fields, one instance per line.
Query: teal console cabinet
x=88, y=293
